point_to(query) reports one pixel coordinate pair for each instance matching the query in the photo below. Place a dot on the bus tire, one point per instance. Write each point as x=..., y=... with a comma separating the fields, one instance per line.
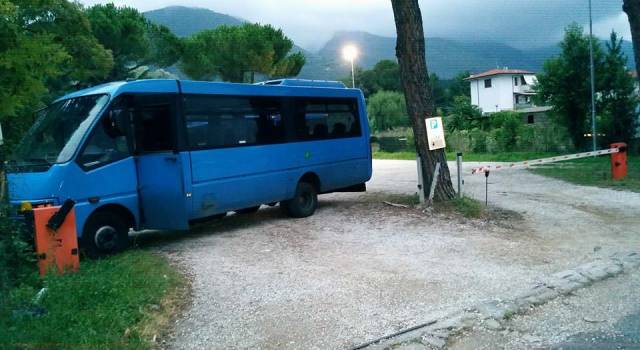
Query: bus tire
x=304, y=203
x=105, y=233
x=251, y=210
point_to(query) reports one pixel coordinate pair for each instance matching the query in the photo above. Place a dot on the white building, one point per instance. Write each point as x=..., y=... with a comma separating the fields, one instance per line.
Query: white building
x=502, y=89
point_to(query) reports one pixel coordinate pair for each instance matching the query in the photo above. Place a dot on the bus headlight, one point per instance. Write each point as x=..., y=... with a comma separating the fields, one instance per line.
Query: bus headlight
x=25, y=206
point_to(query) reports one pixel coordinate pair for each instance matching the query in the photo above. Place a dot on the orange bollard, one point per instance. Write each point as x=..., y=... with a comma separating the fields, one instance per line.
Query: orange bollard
x=619, y=161
x=57, y=248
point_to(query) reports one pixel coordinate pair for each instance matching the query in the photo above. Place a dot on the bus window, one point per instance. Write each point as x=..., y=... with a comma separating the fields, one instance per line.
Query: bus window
x=104, y=146
x=318, y=119
x=153, y=128
x=228, y=121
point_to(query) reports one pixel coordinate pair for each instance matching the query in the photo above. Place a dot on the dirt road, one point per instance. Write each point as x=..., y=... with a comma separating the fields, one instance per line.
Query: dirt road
x=360, y=269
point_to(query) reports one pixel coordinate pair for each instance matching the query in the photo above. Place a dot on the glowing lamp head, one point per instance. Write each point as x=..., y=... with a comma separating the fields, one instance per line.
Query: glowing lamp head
x=350, y=52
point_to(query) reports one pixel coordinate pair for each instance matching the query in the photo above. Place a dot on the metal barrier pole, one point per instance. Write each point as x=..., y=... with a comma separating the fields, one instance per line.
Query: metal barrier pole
x=459, y=162
x=486, y=188
x=420, y=181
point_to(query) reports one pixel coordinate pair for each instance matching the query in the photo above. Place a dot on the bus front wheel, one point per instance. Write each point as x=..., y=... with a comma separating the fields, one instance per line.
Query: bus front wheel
x=105, y=233
x=304, y=203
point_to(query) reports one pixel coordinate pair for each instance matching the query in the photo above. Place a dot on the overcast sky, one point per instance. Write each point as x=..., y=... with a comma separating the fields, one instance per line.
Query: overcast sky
x=520, y=23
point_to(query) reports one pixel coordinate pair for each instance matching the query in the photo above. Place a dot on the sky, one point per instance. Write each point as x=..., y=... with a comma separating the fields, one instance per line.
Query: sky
x=519, y=23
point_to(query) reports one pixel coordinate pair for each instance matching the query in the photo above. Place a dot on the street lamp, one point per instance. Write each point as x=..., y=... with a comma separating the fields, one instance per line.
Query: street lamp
x=593, y=80
x=350, y=53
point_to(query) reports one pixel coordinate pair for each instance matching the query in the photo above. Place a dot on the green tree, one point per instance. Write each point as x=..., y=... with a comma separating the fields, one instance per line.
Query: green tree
x=506, y=127
x=230, y=52
x=439, y=92
x=564, y=82
x=384, y=76
x=463, y=115
x=618, y=101
x=26, y=61
x=387, y=110
x=133, y=40
x=459, y=86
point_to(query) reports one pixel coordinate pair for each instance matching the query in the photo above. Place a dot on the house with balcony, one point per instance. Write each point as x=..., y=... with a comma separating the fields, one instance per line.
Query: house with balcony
x=507, y=89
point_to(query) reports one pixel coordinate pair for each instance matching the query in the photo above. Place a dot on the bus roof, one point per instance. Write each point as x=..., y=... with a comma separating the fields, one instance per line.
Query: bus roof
x=283, y=87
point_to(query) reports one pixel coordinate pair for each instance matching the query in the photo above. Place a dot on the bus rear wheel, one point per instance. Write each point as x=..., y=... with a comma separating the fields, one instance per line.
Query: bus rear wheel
x=105, y=233
x=304, y=203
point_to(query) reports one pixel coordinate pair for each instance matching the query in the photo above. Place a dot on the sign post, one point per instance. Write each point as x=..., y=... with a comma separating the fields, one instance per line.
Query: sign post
x=435, y=133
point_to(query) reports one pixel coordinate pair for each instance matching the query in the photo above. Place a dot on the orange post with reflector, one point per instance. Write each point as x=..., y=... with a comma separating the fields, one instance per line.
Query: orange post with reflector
x=56, y=248
x=619, y=161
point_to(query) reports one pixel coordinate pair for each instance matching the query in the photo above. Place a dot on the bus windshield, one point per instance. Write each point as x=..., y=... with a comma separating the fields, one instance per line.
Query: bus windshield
x=57, y=132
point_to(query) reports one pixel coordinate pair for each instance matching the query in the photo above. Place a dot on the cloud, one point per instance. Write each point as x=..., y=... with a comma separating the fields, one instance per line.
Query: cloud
x=521, y=23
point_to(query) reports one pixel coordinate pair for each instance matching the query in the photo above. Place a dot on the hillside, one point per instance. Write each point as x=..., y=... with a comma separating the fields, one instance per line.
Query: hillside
x=445, y=57
x=184, y=21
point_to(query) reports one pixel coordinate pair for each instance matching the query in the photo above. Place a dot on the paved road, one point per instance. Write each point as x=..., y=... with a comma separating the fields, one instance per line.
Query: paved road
x=602, y=317
x=626, y=335
x=360, y=269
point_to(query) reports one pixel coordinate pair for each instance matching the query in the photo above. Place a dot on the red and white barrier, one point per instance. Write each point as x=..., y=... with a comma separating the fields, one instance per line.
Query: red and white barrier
x=527, y=163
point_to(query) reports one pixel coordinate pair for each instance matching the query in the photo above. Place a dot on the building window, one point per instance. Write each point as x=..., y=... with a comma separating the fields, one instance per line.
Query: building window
x=523, y=81
x=531, y=119
x=515, y=80
x=487, y=83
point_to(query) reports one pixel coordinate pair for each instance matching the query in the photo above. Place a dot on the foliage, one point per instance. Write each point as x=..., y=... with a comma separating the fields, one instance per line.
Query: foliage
x=509, y=138
x=387, y=110
x=47, y=50
x=463, y=115
x=565, y=84
x=384, y=76
x=27, y=59
x=618, y=99
x=68, y=26
x=459, y=86
x=593, y=172
x=17, y=262
x=132, y=39
x=229, y=52
x=506, y=127
x=104, y=306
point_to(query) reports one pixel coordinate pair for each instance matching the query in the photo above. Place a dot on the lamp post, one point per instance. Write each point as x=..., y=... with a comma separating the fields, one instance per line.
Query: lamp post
x=593, y=80
x=350, y=53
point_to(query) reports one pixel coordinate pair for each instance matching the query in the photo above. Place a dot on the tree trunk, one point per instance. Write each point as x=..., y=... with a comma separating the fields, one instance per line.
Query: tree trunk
x=410, y=50
x=632, y=8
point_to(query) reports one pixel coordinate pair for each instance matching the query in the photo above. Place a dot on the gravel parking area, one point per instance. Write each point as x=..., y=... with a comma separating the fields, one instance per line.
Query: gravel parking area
x=360, y=269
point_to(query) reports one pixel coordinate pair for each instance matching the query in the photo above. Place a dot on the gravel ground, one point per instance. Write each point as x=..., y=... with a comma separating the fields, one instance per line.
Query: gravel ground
x=360, y=269
x=604, y=316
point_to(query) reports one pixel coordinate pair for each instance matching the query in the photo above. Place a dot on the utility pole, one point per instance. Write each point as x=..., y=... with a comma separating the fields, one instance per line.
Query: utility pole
x=593, y=80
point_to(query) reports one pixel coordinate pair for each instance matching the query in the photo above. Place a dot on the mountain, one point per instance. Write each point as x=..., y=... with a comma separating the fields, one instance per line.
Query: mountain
x=445, y=57
x=184, y=21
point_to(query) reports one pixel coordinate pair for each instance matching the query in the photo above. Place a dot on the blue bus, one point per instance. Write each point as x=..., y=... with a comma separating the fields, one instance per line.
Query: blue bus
x=163, y=154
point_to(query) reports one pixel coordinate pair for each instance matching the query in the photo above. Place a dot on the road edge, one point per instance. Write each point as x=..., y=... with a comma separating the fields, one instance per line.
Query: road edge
x=435, y=333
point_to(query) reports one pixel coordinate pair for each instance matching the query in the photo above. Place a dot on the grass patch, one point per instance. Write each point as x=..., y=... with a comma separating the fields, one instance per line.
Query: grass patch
x=468, y=207
x=593, y=172
x=470, y=157
x=119, y=302
x=398, y=198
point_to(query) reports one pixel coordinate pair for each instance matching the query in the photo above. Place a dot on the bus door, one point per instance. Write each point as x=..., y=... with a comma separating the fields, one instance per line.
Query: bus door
x=160, y=176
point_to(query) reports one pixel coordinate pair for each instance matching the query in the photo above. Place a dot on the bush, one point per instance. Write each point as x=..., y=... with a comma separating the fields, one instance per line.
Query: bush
x=387, y=110
x=17, y=260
